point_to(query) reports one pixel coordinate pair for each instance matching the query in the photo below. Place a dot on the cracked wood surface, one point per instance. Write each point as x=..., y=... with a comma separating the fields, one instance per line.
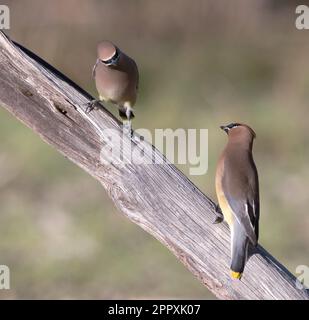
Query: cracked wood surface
x=157, y=197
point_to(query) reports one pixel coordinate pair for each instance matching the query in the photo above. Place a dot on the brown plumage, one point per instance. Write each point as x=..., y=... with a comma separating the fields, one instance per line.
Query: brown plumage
x=237, y=190
x=116, y=77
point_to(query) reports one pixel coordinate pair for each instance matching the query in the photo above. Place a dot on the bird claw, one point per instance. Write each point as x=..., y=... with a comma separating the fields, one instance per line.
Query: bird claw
x=219, y=215
x=91, y=105
x=218, y=220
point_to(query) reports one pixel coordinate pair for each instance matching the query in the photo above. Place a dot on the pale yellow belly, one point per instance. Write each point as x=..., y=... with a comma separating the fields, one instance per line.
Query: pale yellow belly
x=225, y=207
x=115, y=87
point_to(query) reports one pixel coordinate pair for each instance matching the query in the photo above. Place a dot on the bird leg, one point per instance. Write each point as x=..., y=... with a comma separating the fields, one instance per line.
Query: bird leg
x=219, y=215
x=93, y=104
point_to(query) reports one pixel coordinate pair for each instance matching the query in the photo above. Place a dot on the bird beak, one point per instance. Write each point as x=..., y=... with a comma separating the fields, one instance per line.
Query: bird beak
x=109, y=63
x=225, y=128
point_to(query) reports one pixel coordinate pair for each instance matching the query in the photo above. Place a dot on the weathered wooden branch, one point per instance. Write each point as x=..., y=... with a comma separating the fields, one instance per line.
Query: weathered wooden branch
x=157, y=197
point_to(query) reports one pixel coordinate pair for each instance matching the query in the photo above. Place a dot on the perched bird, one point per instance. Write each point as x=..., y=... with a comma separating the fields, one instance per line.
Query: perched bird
x=237, y=189
x=116, y=78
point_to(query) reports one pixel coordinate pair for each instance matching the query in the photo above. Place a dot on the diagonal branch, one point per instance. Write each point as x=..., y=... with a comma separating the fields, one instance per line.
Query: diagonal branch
x=157, y=197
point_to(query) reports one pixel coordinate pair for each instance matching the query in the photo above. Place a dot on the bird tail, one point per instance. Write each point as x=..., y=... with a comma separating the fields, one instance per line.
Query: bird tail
x=239, y=248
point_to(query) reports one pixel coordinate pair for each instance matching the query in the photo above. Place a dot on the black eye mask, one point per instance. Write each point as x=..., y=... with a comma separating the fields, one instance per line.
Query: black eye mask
x=113, y=60
x=232, y=125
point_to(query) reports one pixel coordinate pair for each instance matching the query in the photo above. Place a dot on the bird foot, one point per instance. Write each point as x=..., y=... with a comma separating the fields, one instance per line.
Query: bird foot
x=91, y=105
x=219, y=215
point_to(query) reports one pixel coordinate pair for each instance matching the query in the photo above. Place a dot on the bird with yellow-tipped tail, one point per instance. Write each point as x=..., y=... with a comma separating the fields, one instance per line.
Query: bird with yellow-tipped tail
x=237, y=189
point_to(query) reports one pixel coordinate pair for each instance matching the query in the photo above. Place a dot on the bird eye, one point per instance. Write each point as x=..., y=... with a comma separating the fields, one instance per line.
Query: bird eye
x=234, y=125
x=231, y=126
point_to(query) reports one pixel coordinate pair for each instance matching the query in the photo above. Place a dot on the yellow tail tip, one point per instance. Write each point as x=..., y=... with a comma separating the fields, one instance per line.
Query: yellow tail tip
x=236, y=275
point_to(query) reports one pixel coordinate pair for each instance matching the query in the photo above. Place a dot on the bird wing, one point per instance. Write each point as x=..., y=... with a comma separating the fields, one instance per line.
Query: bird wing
x=245, y=214
x=94, y=68
x=242, y=193
x=137, y=79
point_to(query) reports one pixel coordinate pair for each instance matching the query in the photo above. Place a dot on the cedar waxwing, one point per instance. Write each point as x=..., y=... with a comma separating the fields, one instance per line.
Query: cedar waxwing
x=237, y=189
x=116, y=77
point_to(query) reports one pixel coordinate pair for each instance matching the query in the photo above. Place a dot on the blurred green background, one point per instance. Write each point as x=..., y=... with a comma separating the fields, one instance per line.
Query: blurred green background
x=202, y=64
